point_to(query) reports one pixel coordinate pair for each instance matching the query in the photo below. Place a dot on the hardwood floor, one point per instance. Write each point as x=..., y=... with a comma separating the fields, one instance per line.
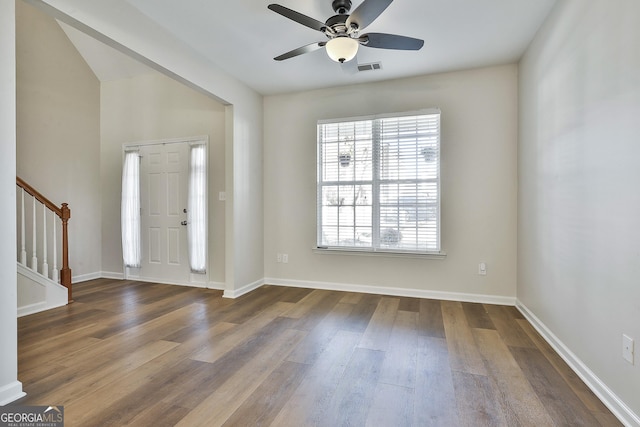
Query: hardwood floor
x=132, y=353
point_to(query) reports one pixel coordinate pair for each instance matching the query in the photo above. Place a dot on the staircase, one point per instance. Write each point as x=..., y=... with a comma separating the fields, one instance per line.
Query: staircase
x=42, y=233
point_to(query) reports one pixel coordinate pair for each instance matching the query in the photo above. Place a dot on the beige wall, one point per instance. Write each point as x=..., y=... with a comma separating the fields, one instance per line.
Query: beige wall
x=154, y=107
x=579, y=204
x=58, y=130
x=245, y=183
x=479, y=131
x=126, y=28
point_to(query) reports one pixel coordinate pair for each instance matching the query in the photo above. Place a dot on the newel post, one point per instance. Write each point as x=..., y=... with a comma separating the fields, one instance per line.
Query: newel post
x=65, y=273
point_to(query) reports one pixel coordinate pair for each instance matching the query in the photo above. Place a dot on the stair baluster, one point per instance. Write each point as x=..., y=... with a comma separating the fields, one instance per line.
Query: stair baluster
x=54, y=270
x=34, y=256
x=23, y=247
x=63, y=276
x=45, y=265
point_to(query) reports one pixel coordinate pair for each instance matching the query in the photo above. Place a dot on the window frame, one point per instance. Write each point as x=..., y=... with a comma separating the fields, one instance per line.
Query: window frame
x=375, y=181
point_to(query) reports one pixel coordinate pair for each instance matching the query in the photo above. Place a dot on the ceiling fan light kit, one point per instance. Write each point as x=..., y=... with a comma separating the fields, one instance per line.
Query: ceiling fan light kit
x=342, y=30
x=342, y=49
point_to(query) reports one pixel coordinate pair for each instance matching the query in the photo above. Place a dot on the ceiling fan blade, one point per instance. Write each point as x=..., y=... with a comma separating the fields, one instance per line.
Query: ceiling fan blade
x=298, y=17
x=299, y=51
x=367, y=12
x=390, y=41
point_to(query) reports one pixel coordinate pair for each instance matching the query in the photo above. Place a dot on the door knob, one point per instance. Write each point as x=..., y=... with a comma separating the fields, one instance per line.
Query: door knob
x=183, y=223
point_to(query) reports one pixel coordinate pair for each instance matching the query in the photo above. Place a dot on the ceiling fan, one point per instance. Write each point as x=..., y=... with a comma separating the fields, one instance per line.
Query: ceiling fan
x=342, y=30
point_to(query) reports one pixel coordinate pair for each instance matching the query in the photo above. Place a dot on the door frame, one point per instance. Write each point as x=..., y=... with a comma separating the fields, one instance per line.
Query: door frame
x=200, y=280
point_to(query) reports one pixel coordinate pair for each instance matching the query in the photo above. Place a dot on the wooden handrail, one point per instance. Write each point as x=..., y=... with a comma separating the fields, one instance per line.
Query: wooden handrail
x=35, y=193
x=64, y=213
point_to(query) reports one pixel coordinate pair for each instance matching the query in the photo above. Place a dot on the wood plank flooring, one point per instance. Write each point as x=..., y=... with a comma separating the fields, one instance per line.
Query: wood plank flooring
x=145, y=354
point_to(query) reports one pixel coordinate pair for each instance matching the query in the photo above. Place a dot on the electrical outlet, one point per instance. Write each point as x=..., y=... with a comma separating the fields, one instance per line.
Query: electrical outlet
x=627, y=348
x=279, y=258
x=482, y=269
x=285, y=258
x=222, y=196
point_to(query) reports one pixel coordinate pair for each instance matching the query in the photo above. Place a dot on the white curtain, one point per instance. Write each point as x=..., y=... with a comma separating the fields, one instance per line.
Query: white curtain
x=197, y=209
x=130, y=209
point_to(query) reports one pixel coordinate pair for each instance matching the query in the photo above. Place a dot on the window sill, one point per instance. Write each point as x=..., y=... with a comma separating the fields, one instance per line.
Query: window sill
x=380, y=252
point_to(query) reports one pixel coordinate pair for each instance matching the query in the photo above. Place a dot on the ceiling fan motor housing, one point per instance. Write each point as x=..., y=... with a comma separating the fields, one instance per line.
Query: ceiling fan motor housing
x=341, y=6
x=338, y=24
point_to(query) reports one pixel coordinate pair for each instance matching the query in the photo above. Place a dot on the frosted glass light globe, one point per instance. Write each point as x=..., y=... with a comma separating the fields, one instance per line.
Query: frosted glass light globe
x=342, y=49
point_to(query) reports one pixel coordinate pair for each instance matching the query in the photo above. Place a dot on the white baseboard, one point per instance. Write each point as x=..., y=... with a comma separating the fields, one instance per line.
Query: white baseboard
x=400, y=292
x=120, y=276
x=243, y=290
x=599, y=388
x=333, y=286
x=86, y=277
x=11, y=392
x=37, y=308
x=115, y=275
x=202, y=285
x=216, y=285
x=55, y=295
x=32, y=308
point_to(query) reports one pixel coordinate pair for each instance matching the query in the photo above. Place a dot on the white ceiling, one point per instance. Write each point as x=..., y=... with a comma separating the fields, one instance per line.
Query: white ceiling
x=242, y=37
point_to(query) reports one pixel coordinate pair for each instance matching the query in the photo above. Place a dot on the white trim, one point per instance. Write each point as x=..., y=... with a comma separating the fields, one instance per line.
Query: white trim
x=37, y=308
x=55, y=293
x=132, y=146
x=400, y=292
x=202, y=285
x=235, y=293
x=220, y=286
x=86, y=277
x=11, y=392
x=115, y=275
x=32, y=308
x=599, y=388
x=190, y=284
x=337, y=250
x=37, y=277
x=421, y=112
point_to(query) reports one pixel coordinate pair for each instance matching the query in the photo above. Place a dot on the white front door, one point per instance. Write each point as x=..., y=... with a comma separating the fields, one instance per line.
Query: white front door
x=163, y=216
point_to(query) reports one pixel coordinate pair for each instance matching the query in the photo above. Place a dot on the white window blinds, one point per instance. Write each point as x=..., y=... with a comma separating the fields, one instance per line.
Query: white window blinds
x=379, y=183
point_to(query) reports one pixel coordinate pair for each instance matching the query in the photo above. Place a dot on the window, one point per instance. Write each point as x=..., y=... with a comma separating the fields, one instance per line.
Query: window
x=379, y=183
x=130, y=209
x=197, y=209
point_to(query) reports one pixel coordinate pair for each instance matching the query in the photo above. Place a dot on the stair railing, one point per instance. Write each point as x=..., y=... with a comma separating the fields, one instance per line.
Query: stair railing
x=39, y=240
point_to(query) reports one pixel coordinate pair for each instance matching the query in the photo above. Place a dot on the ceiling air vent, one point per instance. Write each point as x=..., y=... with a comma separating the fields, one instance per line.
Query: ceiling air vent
x=370, y=67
